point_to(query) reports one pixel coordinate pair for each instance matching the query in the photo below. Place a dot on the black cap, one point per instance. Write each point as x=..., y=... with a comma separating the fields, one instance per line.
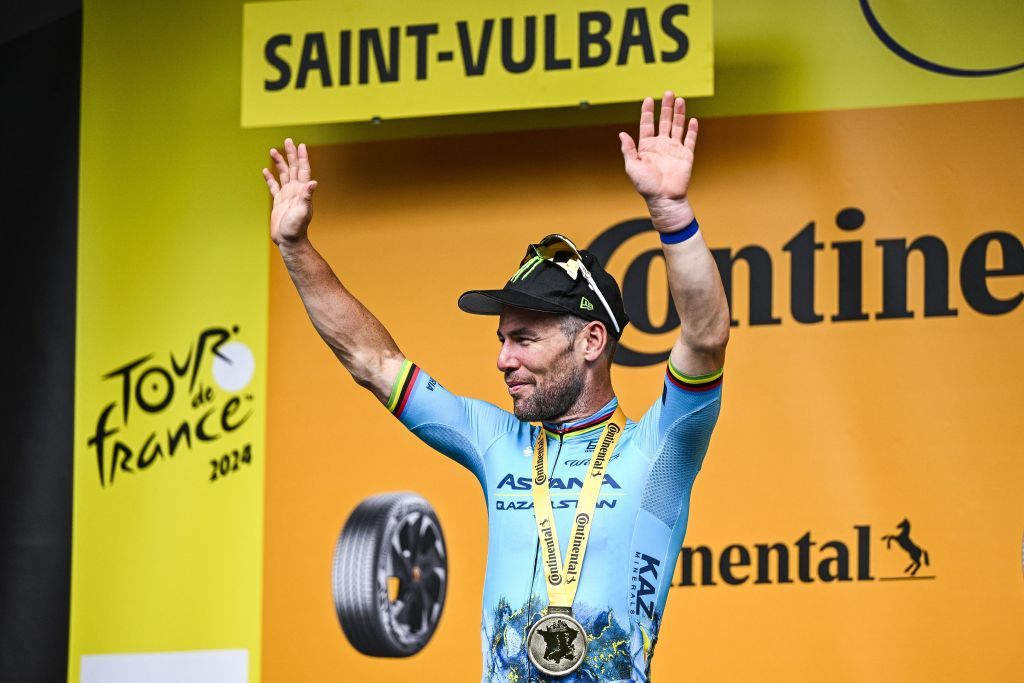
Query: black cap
x=549, y=286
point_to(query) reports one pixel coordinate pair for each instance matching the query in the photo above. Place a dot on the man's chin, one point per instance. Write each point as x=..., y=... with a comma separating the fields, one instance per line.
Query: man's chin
x=521, y=409
x=526, y=412
x=517, y=408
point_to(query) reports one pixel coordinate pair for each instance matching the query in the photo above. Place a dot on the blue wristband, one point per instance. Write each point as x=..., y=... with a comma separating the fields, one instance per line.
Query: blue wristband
x=680, y=235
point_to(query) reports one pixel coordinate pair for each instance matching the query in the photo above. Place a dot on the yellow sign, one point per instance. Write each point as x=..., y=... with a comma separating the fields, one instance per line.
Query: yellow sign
x=170, y=371
x=316, y=61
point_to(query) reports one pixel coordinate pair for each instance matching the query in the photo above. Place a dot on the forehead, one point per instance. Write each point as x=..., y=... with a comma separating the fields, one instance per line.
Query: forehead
x=513, y=318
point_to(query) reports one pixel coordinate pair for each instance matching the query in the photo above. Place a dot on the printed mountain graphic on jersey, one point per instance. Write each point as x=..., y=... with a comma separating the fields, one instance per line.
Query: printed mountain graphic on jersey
x=505, y=630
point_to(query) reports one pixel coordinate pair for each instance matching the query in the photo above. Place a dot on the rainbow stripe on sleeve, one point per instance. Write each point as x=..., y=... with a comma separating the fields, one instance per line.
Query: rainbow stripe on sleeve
x=698, y=383
x=402, y=389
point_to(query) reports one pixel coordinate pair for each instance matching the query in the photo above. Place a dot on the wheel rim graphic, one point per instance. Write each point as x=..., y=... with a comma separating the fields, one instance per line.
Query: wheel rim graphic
x=390, y=575
x=417, y=559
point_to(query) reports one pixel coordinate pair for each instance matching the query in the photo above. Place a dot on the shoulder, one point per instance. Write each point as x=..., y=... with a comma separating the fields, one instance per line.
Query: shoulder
x=687, y=404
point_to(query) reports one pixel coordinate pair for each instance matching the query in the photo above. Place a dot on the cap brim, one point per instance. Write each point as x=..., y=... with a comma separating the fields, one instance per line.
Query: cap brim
x=491, y=302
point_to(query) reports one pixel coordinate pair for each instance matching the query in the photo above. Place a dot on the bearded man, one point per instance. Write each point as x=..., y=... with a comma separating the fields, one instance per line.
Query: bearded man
x=617, y=490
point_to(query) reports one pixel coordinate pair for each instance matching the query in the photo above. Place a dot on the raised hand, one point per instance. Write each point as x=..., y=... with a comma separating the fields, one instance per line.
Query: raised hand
x=661, y=164
x=293, y=194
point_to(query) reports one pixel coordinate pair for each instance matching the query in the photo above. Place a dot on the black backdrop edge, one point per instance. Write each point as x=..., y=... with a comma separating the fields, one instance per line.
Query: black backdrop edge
x=40, y=84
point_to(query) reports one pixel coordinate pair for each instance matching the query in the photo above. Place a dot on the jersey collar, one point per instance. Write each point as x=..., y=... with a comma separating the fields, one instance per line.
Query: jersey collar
x=584, y=425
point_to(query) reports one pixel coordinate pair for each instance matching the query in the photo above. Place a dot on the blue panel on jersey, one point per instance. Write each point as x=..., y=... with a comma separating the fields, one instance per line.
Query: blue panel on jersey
x=677, y=463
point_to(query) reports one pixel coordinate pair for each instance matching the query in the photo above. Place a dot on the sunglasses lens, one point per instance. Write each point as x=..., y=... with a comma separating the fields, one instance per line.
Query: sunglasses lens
x=556, y=248
x=562, y=252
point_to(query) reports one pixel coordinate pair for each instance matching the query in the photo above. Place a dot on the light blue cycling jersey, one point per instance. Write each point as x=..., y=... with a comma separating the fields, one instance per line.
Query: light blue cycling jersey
x=638, y=525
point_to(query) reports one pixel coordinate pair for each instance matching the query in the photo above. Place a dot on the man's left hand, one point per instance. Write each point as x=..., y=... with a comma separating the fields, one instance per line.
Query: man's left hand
x=661, y=164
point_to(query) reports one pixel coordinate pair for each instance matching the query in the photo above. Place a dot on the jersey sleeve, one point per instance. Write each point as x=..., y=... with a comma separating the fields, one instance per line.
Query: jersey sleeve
x=460, y=428
x=682, y=419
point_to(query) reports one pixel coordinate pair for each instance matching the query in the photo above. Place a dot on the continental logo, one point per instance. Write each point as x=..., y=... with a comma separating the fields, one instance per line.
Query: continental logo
x=539, y=477
x=575, y=545
x=602, y=453
x=862, y=555
x=988, y=256
x=914, y=551
x=550, y=552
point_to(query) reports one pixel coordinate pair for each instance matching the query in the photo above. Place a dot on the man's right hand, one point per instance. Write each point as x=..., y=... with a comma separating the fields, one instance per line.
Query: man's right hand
x=293, y=194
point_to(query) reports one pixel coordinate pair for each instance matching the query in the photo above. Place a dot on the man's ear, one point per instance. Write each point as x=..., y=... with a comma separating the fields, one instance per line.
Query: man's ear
x=595, y=337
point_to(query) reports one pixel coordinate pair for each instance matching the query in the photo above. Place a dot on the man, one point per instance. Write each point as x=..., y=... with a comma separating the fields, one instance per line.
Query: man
x=595, y=617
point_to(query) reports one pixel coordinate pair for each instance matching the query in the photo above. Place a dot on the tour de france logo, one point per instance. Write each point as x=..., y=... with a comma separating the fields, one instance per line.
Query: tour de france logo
x=898, y=48
x=166, y=404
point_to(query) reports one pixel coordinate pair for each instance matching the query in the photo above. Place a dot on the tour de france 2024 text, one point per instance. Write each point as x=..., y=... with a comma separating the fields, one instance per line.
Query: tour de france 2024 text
x=230, y=462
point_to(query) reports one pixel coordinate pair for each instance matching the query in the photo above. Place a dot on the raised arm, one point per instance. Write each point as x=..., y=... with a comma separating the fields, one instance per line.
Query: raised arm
x=357, y=338
x=660, y=165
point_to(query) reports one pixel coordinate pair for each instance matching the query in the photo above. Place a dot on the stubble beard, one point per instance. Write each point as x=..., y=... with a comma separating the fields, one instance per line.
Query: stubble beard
x=560, y=393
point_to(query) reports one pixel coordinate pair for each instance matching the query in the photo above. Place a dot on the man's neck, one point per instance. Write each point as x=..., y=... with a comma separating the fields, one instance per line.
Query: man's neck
x=591, y=399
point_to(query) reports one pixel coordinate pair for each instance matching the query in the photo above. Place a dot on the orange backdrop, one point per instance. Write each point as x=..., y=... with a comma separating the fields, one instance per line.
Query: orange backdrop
x=824, y=426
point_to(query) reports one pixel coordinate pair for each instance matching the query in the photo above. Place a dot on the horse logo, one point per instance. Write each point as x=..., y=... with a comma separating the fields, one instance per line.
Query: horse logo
x=914, y=550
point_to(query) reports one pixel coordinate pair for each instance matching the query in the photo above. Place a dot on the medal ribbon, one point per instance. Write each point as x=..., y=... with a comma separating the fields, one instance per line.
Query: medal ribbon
x=562, y=583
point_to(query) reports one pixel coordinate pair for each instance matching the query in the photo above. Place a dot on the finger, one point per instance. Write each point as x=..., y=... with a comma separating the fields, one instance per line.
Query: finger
x=271, y=183
x=665, y=123
x=678, y=119
x=690, y=142
x=647, y=118
x=307, y=190
x=304, y=170
x=293, y=158
x=628, y=146
x=280, y=165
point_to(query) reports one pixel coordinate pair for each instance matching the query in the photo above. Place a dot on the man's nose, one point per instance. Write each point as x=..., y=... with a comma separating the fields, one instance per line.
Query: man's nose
x=507, y=360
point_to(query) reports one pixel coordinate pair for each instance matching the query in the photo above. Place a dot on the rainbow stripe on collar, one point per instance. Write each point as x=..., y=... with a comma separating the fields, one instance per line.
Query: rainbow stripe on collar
x=693, y=383
x=583, y=425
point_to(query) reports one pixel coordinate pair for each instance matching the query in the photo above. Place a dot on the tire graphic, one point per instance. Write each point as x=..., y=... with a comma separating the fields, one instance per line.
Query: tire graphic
x=390, y=575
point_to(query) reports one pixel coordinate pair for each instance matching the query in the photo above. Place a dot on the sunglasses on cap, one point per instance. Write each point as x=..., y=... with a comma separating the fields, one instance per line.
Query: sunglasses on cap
x=560, y=251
